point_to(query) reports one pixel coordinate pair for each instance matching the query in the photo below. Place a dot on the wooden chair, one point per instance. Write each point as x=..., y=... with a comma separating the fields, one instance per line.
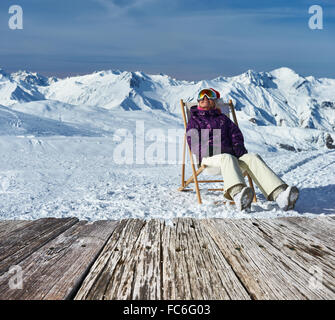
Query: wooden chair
x=226, y=108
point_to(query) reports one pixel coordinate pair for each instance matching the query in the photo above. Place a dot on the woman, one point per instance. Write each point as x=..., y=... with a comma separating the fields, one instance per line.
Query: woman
x=218, y=142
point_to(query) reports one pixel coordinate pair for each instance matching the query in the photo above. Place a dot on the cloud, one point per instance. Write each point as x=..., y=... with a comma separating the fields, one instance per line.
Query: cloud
x=121, y=7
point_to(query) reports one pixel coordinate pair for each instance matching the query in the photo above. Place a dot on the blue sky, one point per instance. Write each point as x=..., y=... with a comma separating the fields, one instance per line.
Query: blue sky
x=186, y=39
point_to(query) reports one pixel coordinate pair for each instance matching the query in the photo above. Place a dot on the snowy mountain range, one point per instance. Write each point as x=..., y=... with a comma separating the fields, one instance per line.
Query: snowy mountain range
x=62, y=154
x=270, y=103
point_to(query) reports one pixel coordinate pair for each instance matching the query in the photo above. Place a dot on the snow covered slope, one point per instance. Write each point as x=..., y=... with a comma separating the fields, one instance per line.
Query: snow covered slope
x=23, y=124
x=78, y=177
x=69, y=147
x=93, y=117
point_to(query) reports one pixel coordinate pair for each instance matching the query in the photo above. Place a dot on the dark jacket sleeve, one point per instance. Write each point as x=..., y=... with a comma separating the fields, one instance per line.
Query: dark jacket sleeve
x=193, y=138
x=237, y=139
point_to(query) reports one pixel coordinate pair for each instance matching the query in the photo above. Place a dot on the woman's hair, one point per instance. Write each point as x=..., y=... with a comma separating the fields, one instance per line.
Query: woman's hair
x=216, y=105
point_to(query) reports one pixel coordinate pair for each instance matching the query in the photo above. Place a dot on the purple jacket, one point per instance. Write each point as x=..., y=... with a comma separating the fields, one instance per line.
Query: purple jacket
x=222, y=134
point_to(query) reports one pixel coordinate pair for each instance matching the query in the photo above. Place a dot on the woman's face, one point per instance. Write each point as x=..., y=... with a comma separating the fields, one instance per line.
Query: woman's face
x=206, y=103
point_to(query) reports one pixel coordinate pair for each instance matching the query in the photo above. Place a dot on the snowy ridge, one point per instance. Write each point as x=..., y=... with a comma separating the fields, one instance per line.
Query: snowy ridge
x=279, y=97
x=274, y=102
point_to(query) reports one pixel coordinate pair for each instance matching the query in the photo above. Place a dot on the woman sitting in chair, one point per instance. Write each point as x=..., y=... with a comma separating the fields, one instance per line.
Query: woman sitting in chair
x=218, y=142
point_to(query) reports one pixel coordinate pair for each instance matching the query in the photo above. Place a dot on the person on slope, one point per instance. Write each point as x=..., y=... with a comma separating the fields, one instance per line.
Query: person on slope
x=222, y=145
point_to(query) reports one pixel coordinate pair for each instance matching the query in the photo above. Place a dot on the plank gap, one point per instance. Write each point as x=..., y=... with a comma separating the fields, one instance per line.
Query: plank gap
x=77, y=287
x=251, y=295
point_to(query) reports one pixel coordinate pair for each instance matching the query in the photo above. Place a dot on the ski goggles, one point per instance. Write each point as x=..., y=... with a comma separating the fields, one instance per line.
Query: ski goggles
x=210, y=94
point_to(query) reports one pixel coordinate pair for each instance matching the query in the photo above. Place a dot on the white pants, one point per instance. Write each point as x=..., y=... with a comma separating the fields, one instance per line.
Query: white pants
x=232, y=170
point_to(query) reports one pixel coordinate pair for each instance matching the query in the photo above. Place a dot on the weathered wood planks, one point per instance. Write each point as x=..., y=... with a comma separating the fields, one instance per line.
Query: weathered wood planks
x=308, y=252
x=129, y=265
x=152, y=261
x=57, y=268
x=321, y=228
x=191, y=259
x=258, y=258
x=22, y=241
x=194, y=267
x=7, y=226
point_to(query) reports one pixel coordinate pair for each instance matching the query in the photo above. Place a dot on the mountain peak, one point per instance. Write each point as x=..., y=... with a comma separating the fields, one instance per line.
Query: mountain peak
x=107, y=72
x=3, y=73
x=283, y=72
x=33, y=78
x=253, y=77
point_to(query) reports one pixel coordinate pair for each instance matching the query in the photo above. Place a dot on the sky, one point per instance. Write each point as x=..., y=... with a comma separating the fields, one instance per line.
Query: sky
x=185, y=39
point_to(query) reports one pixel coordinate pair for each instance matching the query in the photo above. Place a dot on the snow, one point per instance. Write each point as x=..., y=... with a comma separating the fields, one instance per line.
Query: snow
x=77, y=176
x=102, y=146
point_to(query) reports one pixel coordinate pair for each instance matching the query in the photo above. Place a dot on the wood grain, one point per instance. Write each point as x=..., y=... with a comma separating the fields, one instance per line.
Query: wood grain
x=214, y=259
x=113, y=275
x=308, y=252
x=321, y=228
x=194, y=267
x=23, y=241
x=266, y=271
x=7, y=226
x=58, y=267
x=152, y=261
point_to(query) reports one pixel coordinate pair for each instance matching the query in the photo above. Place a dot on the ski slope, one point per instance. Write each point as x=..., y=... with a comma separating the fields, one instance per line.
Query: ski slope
x=78, y=177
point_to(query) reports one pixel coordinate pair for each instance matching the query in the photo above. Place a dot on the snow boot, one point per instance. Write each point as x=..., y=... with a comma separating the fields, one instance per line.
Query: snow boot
x=244, y=198
x=286, y=199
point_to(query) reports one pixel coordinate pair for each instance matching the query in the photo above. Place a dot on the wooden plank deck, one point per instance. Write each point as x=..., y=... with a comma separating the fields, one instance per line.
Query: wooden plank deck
x=210, y=259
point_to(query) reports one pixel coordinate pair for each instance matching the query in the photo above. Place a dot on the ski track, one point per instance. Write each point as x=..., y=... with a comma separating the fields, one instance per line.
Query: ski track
x=76, y=177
